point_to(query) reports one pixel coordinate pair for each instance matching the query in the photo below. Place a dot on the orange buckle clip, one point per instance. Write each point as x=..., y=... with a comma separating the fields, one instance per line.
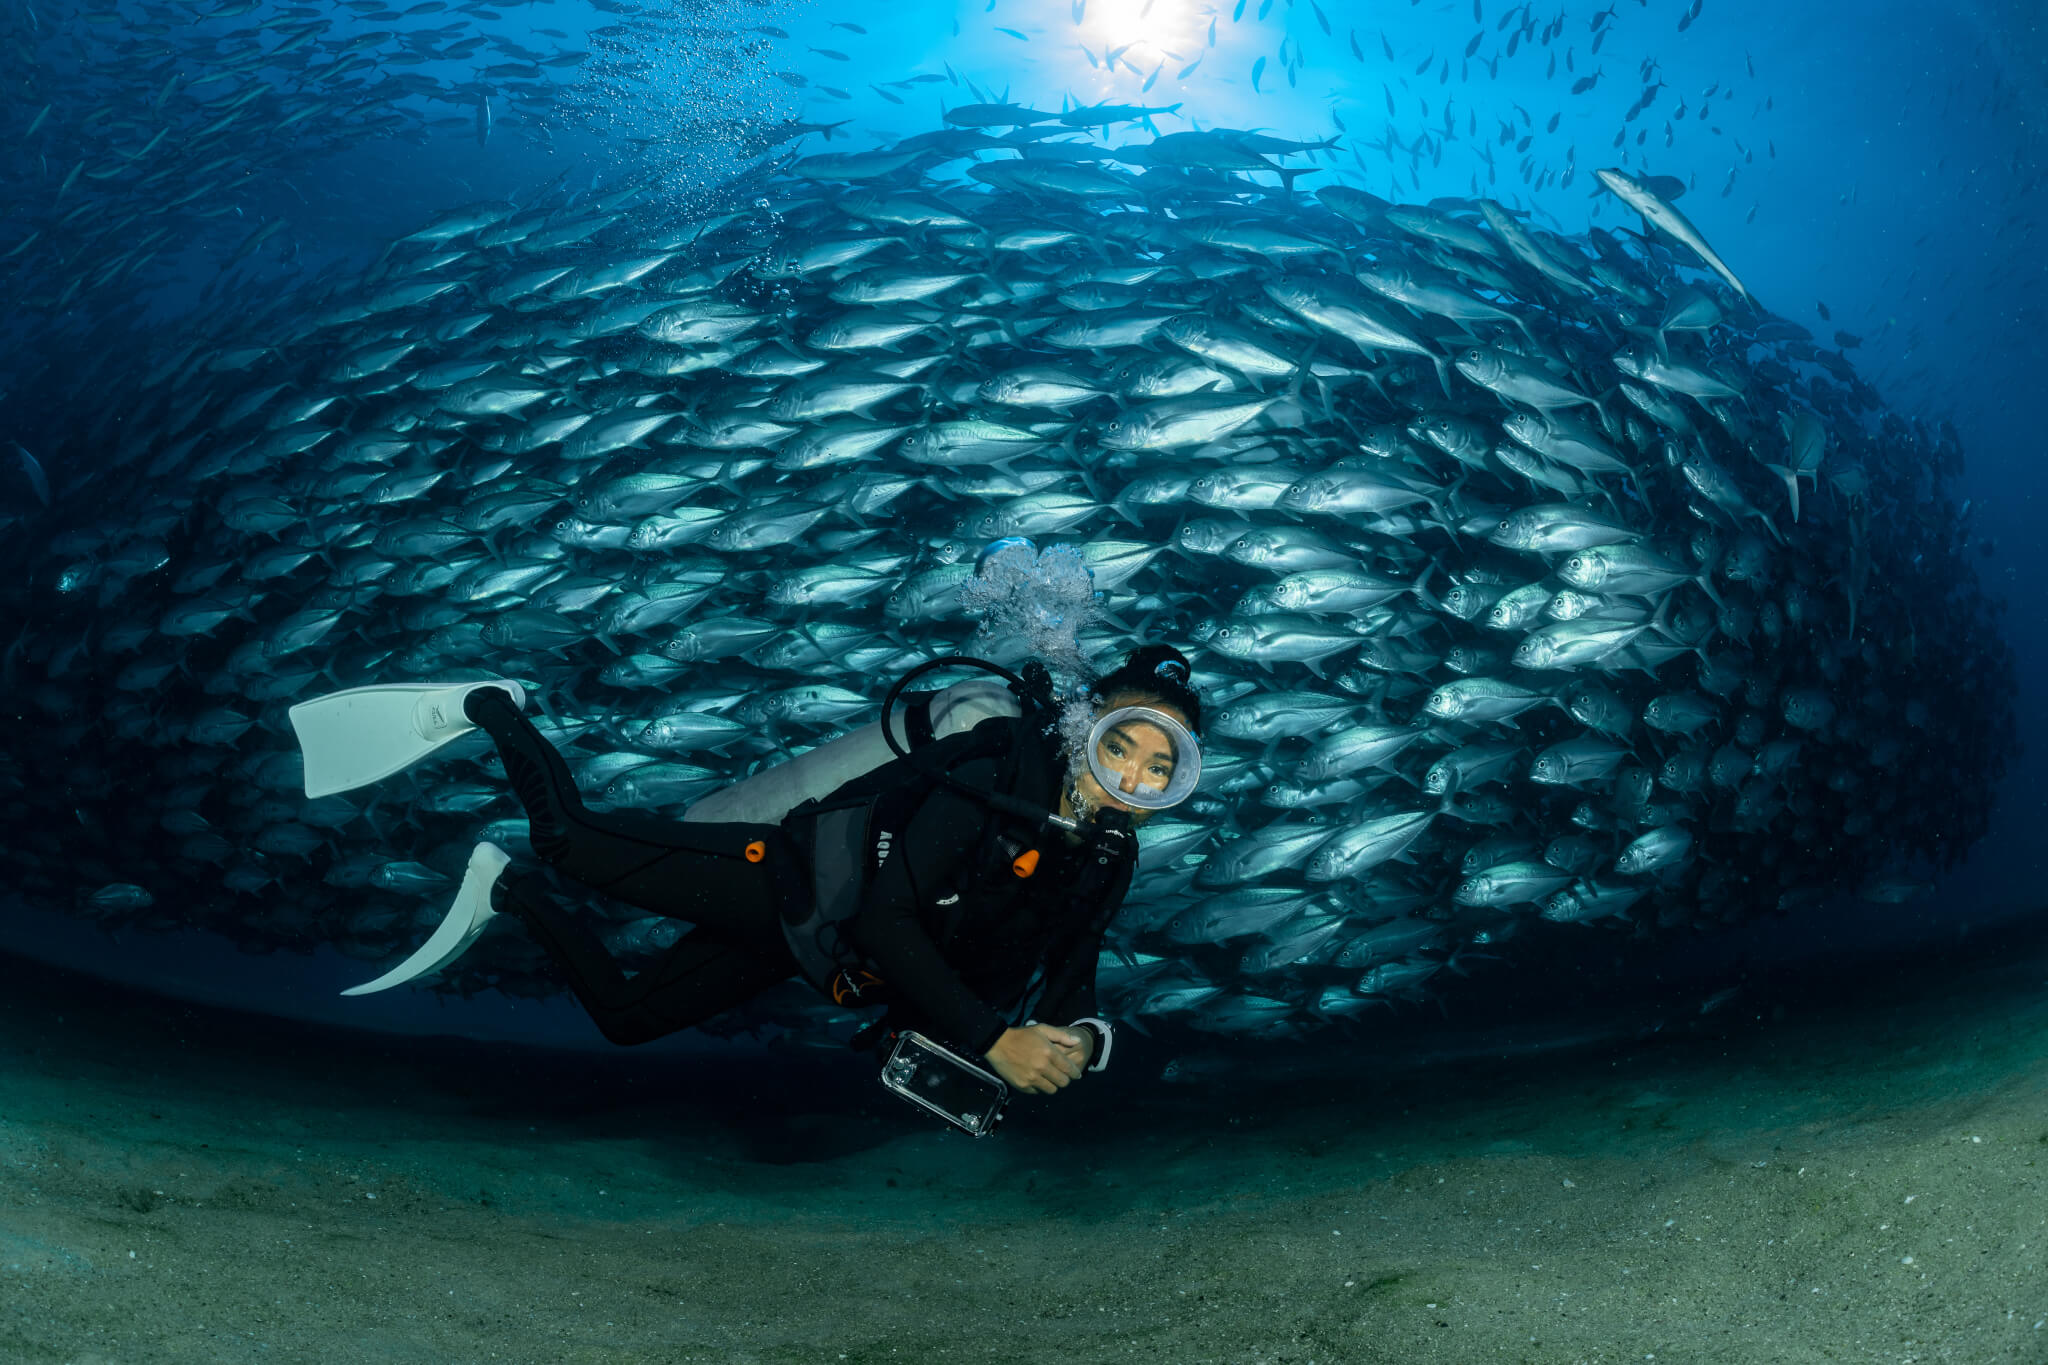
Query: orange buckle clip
x=845, y=988
x=756, y=851
x=1026, y=863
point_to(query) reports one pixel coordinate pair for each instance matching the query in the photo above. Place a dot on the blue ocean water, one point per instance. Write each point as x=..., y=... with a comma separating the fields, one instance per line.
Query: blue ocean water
x=1883, y=193
x=195, y=190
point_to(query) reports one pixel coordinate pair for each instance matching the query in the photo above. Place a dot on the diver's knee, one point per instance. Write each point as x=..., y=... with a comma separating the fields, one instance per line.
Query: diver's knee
x=628, y=1032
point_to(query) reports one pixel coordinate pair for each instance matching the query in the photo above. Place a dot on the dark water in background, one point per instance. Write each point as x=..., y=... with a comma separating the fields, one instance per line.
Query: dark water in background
x=1904, y=192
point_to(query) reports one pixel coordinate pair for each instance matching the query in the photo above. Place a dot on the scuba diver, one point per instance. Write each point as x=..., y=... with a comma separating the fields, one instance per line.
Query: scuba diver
x=944, y=861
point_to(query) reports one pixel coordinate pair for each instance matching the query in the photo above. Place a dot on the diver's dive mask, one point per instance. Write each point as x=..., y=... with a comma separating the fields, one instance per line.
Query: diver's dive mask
x=1144, y=757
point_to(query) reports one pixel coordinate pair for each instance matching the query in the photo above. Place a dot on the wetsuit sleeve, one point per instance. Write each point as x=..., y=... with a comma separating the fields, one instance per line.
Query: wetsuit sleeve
x=1070, y=979
x=1070, y=993
x=941, y=836
x=1070, y=967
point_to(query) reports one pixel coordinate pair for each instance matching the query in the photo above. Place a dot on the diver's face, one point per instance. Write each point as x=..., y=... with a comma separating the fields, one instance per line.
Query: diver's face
x=1137, y=751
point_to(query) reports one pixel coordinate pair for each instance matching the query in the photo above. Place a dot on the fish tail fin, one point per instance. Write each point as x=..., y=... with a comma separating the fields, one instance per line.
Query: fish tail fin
x=1304, y=366
x=1293, y=388
x=1443, y=372
x=1072, y=451
x=39, y=482
x=1791, y=478
x=1443, y=520
x=1449, y=807
x=1323, y=392
x=1089, y=482
x=1642, y=492
x=1659, y=622
x=1607, y=495
x=1460, y=955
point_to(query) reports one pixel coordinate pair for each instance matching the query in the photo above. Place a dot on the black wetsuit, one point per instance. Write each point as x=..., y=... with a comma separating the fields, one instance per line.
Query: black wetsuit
x=955, y=935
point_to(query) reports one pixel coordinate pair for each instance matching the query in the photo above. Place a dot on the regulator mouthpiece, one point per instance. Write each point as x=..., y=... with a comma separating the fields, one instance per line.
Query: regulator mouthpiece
x=1144, y=758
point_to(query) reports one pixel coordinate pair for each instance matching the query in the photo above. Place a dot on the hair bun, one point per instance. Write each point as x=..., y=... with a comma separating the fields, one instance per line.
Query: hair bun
x=1161, y=670
x=1170, y=664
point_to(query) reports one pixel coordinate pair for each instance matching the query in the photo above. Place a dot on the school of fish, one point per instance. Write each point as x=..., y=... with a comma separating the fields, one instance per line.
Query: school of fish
x=1540, y=587
x=141, y=134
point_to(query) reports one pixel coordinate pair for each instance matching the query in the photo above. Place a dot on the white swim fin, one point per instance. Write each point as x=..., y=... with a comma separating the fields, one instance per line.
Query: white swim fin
x=351, y=739
x=466, y=920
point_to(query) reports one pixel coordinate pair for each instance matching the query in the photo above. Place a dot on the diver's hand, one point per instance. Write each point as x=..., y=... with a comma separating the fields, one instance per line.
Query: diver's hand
x=1036, y=1059
x=1083, y=1051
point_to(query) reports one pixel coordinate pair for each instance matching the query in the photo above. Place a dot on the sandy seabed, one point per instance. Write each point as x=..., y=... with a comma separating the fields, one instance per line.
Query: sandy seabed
x=1856, y=1181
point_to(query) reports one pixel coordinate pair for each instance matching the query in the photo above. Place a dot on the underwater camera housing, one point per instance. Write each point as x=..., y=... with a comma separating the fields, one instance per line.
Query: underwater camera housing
x=934, y=1077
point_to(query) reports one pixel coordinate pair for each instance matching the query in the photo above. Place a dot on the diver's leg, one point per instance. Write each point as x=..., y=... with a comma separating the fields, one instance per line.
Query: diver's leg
x=655, y=864
x=701, y=975
x=539, y=776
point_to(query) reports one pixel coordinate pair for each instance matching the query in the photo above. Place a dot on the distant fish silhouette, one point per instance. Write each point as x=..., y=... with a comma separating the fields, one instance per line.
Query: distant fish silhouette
x=34, y=471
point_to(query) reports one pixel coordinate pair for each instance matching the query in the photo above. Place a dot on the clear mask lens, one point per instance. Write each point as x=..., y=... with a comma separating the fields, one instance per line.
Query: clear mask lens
x=1144, y=758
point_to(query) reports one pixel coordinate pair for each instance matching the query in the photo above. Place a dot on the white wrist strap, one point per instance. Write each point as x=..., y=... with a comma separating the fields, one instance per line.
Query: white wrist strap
x=1101, y=1026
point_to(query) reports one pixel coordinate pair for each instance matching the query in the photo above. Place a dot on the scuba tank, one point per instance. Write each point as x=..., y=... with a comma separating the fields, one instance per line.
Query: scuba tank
x=769, y=795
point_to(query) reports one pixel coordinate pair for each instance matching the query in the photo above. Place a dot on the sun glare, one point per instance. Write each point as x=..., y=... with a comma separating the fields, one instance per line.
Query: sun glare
x=1129, y=41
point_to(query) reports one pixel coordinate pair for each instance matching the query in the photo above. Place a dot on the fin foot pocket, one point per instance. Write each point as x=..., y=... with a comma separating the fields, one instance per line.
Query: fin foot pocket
x=493, y=702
